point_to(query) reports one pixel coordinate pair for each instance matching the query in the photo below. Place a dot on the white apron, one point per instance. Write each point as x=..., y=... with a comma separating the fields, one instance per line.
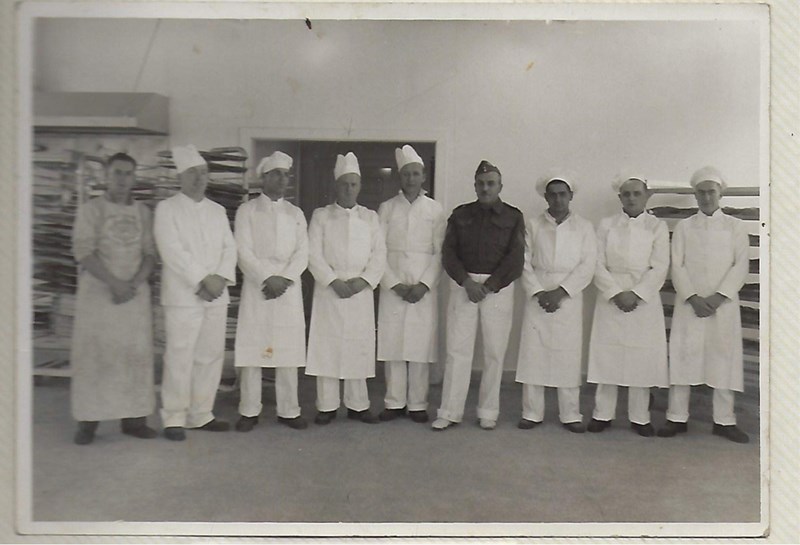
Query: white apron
x=555, y=255
x=709, y=254
x=414, y=235
x=271, y=240
x=344, y=244
x=112, y=345
x=630, y=348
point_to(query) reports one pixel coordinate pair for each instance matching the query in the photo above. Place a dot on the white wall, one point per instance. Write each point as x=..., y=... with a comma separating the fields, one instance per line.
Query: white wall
x=665, y=97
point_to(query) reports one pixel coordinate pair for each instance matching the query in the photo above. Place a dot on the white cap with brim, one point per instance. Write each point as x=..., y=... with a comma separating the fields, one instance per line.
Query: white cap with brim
x=557, y=175
x=623, y=177
x=346, y=164
x=186, y=157
x=276, y=160
x=708, y=174
x=406, y=155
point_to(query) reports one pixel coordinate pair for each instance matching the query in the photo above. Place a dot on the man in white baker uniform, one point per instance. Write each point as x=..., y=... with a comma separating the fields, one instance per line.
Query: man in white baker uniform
x=272, y=241
x=629, y=343
x=198, y=253
x=347, y=257
x=560, y=258
x=709, y=267
x=408, y=312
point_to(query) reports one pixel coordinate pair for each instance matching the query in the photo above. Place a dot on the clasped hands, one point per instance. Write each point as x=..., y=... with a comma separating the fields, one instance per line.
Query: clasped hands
x=275, y=286
x=626, y=301
x=410, y=293
x=706, y=306
x=550, y=300
x=348, y=288
x=210, y=287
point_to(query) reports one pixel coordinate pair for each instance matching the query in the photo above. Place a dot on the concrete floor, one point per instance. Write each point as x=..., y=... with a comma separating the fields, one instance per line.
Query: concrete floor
x=398, y=471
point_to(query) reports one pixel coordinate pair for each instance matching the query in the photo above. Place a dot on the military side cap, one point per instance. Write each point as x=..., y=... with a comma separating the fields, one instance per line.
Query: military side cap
x=485, y=167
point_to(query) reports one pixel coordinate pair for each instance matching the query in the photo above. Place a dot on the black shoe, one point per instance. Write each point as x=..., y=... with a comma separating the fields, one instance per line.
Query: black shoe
x=390, y=414
x=174, y=433
x=85, y=433
x=215, y=425
x=671, y=429
x=246, y=423
x=296, y=423
x=324, y=417
x=419, y=417
x=596, y=426
x=525, y=424
x=364, y=416
x=731, y=432
x=575, y=427
x=645, y=430
x=137, y=427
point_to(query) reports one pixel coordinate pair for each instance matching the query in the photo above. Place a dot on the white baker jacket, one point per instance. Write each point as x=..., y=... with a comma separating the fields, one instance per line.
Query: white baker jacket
x=551, y=343
x=709, y=255
x=414, y=236
x=194, y=240
x=272, y=240
x=344, y=244
x=630, y=348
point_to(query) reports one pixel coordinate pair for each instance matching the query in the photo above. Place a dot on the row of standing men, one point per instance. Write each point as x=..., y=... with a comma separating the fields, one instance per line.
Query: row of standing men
x=350, y=250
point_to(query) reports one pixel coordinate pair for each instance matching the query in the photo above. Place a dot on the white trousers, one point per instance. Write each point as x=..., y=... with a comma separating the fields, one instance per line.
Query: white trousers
x=285, y=392
x=678, y=409
x=494, y=314
x=568, y=403
x=407, y=385
x=605, y=403
x=356, y=396
x=192, y=364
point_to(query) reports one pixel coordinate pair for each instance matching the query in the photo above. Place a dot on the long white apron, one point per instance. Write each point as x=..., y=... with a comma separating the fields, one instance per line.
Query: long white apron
x=112, y=344
x=551, y=343
x=271, y=241
x=414, y=234
x=709, y=254
x=630, y=348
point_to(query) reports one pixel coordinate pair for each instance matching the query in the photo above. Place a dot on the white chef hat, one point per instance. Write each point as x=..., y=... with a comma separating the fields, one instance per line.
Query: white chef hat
x=406, y=155
x=346, y=164
x=623, y=177
x=554, y=175
x=276, y=160
x=186, y=157
x=708, y=174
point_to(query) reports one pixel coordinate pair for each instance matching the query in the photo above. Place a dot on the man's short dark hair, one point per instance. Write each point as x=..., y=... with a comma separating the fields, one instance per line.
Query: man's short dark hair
x=121, y=157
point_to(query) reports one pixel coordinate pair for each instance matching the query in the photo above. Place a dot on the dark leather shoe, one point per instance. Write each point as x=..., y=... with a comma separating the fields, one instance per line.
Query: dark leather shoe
x=246, y=423
x=324, y=417
x=215, y=425
x=420, y=417
x=671, y=429
x=137, y=427
x=596, y=426
x=296, y=423
x=525, y=424
x=364, y=416
x=174, y=433
x=390, y=414
x=85, y=433
x=575, y=427
x=731, y=433
x=645, y=430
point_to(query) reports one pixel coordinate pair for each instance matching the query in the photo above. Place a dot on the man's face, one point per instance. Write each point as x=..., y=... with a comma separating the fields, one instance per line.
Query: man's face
x=348, y=187
x=412, y=176
x=120, y=178
x=708, y=194
x=558, y=196
x=487, y=187
x=275, y=182
x=633, y=195
x=194, y=181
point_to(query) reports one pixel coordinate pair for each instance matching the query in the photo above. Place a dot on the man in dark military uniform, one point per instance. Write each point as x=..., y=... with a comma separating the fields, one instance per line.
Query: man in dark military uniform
x=483, y=254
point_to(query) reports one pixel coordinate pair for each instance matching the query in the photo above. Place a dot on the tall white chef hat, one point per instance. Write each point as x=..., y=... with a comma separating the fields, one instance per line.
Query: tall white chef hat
x=346, y=164
x=623, y=177
x=186, y=157
x=406, y=155
x=276, y=160
x=708, y=174
x=556, y=175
